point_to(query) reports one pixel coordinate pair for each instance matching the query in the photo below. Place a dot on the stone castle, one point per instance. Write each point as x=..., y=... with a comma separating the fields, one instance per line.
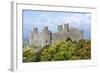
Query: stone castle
x=46, y=37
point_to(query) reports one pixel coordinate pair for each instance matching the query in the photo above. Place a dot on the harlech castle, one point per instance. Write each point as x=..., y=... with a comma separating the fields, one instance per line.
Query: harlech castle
x=46, y=37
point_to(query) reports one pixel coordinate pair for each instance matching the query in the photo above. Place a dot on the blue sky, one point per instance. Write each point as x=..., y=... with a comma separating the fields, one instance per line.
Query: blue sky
x=52, y=19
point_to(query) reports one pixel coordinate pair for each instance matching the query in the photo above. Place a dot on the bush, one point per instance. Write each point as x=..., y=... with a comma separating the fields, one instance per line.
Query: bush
x=67, y=50
x=29, y=56
x=61, y=50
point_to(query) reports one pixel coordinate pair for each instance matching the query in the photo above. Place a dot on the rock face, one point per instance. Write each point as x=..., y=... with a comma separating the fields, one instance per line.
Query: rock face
x=46, y=37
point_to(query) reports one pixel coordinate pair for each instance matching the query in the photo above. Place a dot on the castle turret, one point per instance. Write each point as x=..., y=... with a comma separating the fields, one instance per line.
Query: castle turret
x=46, y=36
x=81, y=34
x=35, y=30
x=45, y=28
x=60, y=28
x=31, y=37
x=66, y=27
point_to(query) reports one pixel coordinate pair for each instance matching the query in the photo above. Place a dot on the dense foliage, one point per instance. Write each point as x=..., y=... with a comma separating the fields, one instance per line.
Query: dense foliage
x=61, y=50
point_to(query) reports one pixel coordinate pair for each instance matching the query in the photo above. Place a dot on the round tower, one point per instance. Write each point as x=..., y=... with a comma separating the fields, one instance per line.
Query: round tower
x=45, y=29
x=46, y=37
x=60, y=28
x=66, y=27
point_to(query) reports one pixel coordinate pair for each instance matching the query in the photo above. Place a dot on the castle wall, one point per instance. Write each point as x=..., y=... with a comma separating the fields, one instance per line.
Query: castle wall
x=57, y=37
x=47, y=38
x=75, y=34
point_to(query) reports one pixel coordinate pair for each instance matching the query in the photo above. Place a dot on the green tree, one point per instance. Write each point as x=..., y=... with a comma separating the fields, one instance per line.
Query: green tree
x=29, y=56
x=61, y=50
x=68, y=39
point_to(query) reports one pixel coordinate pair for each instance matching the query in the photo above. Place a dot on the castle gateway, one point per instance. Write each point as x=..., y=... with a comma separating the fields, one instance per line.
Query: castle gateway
x=46, y=37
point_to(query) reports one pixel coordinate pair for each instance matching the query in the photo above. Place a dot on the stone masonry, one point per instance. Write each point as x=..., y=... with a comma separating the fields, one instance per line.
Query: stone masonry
x=46, y=37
